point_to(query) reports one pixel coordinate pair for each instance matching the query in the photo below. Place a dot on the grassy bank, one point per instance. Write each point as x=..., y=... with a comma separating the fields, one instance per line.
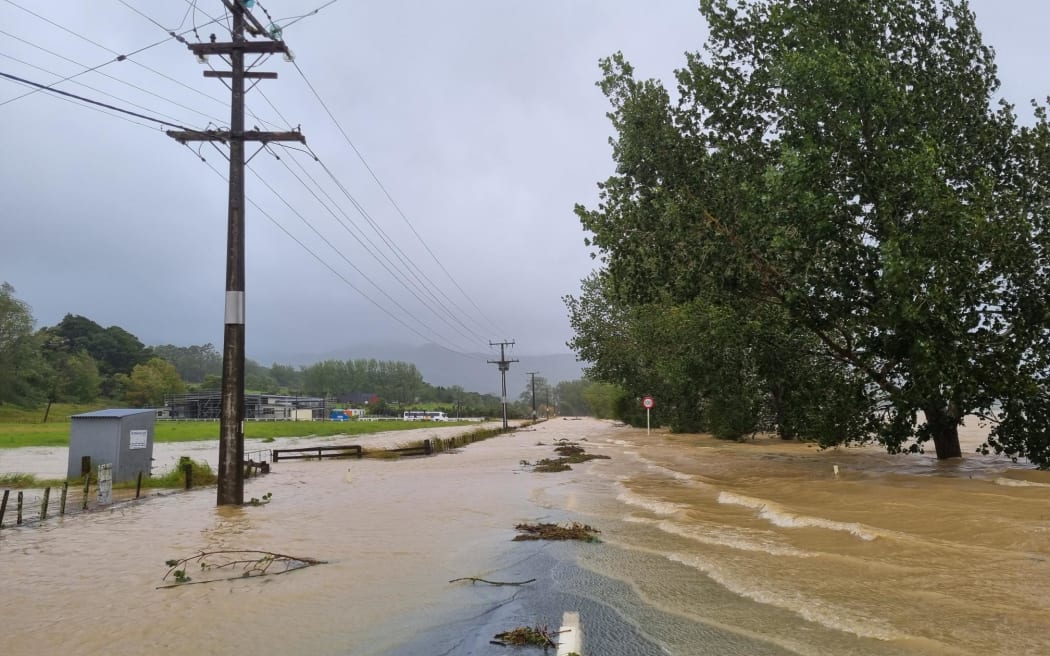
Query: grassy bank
x=14, y=434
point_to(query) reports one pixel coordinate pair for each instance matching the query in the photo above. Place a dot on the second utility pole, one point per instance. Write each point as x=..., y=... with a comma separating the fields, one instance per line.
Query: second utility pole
x=504, y=365
x=231, y=435
x=533, y=375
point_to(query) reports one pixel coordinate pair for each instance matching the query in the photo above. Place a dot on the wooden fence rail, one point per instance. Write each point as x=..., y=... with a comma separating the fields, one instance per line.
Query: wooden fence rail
x=317, y=452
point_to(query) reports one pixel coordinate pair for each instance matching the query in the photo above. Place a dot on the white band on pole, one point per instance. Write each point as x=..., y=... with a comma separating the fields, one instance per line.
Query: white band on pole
x=235, y=307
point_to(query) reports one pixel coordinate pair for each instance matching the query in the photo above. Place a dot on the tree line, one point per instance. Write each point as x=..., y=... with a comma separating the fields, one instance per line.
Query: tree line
x=833, y=229
x=77, y=360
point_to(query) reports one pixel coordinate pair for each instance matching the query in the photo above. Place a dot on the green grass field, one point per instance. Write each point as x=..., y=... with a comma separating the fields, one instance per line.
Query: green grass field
x=20, y=428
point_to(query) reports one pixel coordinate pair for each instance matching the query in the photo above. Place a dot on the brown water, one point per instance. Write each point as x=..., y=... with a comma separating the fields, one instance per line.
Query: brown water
x=708, y=548
x=893, y=555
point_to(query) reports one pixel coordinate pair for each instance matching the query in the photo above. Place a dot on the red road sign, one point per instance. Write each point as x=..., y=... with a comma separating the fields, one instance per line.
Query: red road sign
x=647, y=402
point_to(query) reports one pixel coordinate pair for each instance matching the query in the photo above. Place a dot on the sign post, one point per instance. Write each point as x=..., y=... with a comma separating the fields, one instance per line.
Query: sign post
x=647, y=403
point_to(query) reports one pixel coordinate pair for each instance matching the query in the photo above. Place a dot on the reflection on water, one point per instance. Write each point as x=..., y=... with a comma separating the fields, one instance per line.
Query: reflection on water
x=708, y=547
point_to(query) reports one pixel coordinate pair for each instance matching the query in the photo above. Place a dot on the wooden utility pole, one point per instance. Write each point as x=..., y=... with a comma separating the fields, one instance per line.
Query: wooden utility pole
x=532, y=374
x=504, y=366
x=231, y=435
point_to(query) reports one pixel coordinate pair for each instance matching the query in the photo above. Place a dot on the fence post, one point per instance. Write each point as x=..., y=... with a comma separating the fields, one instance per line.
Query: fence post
x=19, y=515
x=43, y=505
x=3, y=507
x=138, y=485
x=87, y=486
x=187, y=469
x=62, y=504
x=427, y=449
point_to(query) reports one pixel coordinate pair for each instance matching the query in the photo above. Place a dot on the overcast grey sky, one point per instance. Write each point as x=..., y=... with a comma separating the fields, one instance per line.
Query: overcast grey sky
x=480, y=117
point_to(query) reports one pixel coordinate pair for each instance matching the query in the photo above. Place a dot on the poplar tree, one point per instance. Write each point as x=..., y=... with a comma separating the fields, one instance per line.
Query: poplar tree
x=841, y=208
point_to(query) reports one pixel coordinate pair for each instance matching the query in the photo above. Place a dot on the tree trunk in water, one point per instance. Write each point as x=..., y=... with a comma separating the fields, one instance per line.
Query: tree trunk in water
x=785, y=431
x=945, y=430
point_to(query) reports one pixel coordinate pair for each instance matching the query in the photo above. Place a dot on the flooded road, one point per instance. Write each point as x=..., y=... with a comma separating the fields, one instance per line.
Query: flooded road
x=707, y=548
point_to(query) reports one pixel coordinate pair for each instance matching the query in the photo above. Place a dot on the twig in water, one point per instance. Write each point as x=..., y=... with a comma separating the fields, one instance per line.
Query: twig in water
x=474, y=579
x=251, y=562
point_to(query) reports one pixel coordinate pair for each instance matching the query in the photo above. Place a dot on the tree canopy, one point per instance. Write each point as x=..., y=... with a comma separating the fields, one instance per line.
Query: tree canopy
x=151, y=381
x=832, y=230
x=23, y=371
x=194, y=362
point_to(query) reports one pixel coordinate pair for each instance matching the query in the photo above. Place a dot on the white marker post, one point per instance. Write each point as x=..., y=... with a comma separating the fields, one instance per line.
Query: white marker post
x=647, y=403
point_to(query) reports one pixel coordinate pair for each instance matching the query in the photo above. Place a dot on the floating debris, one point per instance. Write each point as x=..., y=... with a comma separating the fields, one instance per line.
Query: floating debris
x=574, y=531
x=527, y=636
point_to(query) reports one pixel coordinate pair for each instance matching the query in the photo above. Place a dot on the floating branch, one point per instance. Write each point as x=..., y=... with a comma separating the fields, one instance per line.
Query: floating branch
x=250, y=564
x=574, y=531
x=474, y=579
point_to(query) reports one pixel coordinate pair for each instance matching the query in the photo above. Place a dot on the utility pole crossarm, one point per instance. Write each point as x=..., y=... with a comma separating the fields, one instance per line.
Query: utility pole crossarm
x=248, y=75
x=245, y=47
x=182, y=136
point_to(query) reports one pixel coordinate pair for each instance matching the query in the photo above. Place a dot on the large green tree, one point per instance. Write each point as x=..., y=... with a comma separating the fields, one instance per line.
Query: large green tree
x=192, y=362
x=151, y=381
x=23, y=371
x=391, y=380
x=70, y=376
x=115, y=350
x=834, y=203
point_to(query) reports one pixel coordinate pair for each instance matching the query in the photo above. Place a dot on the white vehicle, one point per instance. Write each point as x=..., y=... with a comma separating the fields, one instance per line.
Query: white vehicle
x=425, y=415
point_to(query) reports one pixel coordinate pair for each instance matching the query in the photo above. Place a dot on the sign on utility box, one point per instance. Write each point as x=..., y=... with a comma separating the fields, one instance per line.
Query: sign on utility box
x=119, y=437
x=105, y=485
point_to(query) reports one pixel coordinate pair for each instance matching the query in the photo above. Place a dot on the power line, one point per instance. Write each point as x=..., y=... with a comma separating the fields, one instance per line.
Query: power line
x=387, y=193
x=375, y=252
x=95, y=109
x=111, y=77
x=343, y=256
x=372, y=248
x=140, y=13
x=86, y=86
x=44, y=87
x=393, y=273
x=414, y=269
x=336, y=272
x=118, y=58
x=296, y=19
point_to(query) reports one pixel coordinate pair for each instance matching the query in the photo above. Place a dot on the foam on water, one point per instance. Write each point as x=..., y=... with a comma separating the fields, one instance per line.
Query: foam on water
x=1017, y=482
x=655, y=506
x=667, y=471
x=832, y=616
x=721, y=536
x=776, y=515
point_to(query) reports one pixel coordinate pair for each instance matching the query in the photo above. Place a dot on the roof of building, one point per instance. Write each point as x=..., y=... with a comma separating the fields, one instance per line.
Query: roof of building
x=114, y=412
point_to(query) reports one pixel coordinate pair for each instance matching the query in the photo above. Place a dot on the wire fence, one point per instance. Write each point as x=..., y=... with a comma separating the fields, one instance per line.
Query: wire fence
x=32, y=506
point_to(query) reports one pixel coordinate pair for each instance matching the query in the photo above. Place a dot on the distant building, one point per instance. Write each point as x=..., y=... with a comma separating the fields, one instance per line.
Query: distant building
x=208, y=405
x=358, y=398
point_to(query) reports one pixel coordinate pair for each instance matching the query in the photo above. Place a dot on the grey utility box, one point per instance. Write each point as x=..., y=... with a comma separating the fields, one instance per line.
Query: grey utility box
x=121, y=437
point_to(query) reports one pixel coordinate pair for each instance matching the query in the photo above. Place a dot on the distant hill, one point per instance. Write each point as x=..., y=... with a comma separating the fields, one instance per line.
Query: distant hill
x=445, y=368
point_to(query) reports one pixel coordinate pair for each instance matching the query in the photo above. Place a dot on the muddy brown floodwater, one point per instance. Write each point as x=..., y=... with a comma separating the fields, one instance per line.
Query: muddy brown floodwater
x=707, y=547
